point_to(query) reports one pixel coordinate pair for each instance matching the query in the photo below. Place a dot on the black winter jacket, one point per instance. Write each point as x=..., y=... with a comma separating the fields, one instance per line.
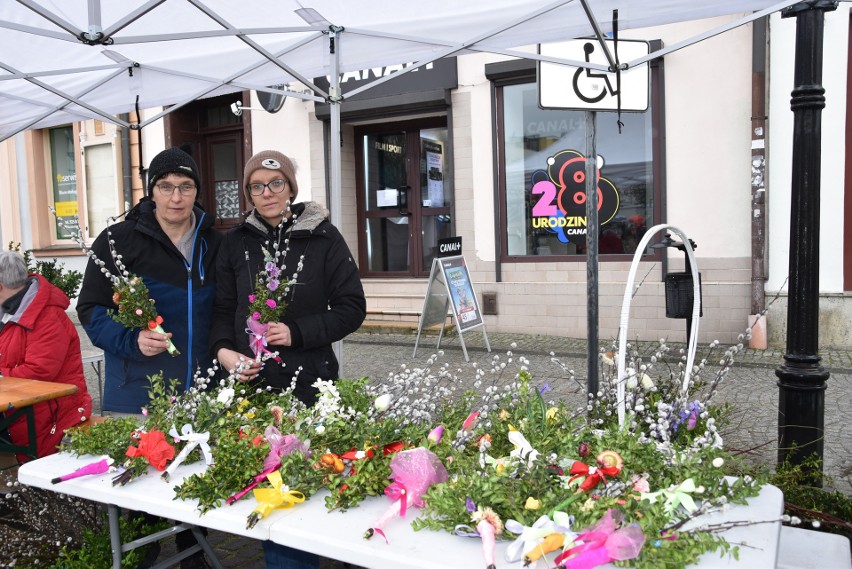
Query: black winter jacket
x=184, y=293
x=325, y=305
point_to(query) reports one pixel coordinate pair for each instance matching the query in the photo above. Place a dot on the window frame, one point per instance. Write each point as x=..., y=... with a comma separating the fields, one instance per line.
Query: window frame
x=520, y=72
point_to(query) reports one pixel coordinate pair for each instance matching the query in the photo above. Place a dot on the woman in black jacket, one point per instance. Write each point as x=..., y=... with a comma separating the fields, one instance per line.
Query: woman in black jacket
x=326, y=303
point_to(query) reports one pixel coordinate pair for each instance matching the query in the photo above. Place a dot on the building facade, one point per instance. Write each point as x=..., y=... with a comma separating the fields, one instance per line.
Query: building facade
x=462, y=148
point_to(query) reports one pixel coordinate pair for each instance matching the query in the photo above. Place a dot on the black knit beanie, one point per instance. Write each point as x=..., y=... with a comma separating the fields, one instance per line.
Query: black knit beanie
x=172, y=161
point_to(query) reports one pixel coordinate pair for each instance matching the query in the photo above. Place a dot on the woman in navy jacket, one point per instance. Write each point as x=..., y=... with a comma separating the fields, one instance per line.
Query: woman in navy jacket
x=170, y=242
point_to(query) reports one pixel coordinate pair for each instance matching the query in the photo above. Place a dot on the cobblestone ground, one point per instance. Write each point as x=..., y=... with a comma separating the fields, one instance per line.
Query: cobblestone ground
x=750, y=387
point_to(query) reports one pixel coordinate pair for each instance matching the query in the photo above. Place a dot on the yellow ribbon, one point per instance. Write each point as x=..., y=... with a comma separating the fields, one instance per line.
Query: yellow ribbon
x=279, y=496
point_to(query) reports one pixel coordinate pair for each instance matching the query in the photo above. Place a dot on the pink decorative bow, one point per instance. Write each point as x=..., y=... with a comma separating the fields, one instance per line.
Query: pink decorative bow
x=396, y=491
x=257, y=338
x=603, y=543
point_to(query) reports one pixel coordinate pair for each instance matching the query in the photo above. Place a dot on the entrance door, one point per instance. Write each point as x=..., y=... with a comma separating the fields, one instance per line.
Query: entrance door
x=225, y=170
x=404, y=185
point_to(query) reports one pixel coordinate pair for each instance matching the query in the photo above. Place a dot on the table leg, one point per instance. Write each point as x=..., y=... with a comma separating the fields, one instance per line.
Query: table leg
x=10, y=416
x=114, y=535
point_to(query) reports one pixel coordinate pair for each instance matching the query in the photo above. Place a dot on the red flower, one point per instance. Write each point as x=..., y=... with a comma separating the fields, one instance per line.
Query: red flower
x=154, y=323
x=154, y=448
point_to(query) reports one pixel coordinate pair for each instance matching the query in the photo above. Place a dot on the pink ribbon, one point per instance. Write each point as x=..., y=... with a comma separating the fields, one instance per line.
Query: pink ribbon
x=257, y=338
x=397, y=491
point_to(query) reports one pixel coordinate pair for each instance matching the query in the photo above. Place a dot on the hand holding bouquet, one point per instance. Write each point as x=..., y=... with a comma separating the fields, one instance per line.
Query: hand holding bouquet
x=135, y=306
x=136, y=309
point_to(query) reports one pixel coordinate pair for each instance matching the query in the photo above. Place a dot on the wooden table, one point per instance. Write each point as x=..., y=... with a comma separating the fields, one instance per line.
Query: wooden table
x=17, y=398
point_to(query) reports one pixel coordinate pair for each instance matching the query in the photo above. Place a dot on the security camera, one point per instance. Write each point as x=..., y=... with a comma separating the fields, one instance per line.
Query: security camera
x=237, y=108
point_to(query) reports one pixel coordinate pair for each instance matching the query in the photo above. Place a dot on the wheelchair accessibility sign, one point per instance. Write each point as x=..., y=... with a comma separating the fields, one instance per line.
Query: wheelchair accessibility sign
x=580, y=88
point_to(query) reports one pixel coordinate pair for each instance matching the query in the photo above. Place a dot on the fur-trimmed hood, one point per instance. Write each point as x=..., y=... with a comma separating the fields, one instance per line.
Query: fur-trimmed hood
x=309, y=215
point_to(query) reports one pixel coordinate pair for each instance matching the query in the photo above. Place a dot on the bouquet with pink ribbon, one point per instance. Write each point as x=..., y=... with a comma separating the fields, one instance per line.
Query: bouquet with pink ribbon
x=413, y=472
x=266, y=303
x=604, y=542
x=279, y=447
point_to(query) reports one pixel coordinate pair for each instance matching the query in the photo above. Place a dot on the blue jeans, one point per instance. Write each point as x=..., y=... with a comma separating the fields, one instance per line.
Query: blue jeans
x=283, y=557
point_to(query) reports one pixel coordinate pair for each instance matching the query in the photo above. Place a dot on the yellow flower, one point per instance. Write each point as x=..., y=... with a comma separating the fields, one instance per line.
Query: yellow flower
x=551, y=413
x=504, y=414
x=532, y=504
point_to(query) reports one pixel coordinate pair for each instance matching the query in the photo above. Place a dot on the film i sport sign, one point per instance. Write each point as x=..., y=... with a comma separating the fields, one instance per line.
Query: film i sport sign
x=558, y=196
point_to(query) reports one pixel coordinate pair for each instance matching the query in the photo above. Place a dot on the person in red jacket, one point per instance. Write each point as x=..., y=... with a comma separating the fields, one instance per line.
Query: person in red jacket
x=39, y=341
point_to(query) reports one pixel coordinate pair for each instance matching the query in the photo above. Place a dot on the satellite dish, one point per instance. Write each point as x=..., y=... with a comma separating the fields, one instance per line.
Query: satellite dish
x=272, y=102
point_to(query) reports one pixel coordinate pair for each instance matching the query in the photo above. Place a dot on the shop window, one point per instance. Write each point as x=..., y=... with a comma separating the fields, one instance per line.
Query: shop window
x=541, y=173
x=83, y=181
x=64, y=178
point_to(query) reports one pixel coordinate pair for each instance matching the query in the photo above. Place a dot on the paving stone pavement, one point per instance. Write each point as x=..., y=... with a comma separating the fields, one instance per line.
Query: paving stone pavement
x=750, y=387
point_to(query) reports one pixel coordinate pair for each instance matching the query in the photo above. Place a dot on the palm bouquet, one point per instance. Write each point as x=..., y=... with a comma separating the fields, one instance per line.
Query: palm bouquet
x=134, y=306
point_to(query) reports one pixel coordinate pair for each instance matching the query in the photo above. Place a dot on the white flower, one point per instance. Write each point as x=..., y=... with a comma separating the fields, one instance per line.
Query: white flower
x=320, y=429
x=718, y=462
x=226, y=395
x=382, y=402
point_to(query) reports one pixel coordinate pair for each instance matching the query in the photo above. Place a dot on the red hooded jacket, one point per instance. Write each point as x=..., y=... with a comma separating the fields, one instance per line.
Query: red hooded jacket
x=39, y=341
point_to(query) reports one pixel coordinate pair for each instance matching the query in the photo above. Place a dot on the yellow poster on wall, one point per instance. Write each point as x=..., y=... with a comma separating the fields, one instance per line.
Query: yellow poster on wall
x=66, y=209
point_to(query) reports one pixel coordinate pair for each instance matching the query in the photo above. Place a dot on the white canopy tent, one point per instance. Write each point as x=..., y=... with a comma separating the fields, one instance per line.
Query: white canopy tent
x=67, y=60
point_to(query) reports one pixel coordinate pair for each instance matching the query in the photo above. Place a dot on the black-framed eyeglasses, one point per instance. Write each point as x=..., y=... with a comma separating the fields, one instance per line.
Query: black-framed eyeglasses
x=168, y=189
x=275, y=186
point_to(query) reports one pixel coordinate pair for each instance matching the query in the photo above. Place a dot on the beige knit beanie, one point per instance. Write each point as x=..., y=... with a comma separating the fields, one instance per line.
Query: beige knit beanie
x=271, y=160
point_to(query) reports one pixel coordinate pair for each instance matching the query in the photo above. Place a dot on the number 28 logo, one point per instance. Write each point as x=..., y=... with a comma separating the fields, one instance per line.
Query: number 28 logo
x=562, y=188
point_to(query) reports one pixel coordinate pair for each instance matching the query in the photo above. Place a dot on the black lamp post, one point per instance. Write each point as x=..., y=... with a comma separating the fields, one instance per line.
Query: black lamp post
x=801, y=380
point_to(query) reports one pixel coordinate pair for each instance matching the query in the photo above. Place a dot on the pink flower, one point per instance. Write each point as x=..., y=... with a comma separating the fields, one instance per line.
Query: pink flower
x=256, y=315
x=436, y=434
x=252, y=298
x=271, y=303
x=470, y=422
x=139, y=312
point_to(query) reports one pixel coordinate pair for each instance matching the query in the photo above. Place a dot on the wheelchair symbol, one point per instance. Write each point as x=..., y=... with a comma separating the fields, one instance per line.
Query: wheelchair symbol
x=591, y=86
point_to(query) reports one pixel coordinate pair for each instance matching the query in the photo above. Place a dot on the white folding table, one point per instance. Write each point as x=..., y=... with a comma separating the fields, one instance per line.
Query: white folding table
x=310, y=527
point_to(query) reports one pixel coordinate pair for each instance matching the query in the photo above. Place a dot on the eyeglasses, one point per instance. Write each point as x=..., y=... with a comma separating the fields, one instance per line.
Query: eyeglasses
x=168, y=189
x=275, y=186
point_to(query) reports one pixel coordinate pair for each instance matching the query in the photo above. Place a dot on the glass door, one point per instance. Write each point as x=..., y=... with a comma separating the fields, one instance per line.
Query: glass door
x=404, y=196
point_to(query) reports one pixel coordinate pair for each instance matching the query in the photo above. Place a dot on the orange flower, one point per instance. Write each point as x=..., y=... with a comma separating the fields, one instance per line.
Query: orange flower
x=116, y=298
x=154, y=323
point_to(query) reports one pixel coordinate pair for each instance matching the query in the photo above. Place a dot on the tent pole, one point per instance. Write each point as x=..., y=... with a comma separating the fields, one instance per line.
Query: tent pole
x=801, y=380
x=334, y=143
x=592, y=251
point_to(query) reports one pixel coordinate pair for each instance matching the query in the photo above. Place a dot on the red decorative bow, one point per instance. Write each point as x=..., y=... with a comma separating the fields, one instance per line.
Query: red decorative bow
x=391, y=448
x=594, y=475
x=154, y=448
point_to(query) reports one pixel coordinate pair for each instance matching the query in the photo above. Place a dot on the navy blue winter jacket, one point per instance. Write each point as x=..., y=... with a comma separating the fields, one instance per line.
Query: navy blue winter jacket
x=183, y=292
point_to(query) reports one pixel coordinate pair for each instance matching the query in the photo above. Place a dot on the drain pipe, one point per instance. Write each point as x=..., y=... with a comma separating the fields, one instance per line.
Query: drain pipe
x=759, y=156
x=126, y=166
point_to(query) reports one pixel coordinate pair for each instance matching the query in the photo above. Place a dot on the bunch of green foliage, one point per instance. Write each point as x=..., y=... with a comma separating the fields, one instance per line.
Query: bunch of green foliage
x=96, y=549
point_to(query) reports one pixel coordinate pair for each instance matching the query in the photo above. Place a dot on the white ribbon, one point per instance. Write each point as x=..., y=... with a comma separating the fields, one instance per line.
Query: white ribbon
x=192, y=440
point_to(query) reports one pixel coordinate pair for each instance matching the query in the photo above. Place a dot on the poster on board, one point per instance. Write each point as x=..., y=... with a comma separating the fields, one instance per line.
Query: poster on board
x=463, y=298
